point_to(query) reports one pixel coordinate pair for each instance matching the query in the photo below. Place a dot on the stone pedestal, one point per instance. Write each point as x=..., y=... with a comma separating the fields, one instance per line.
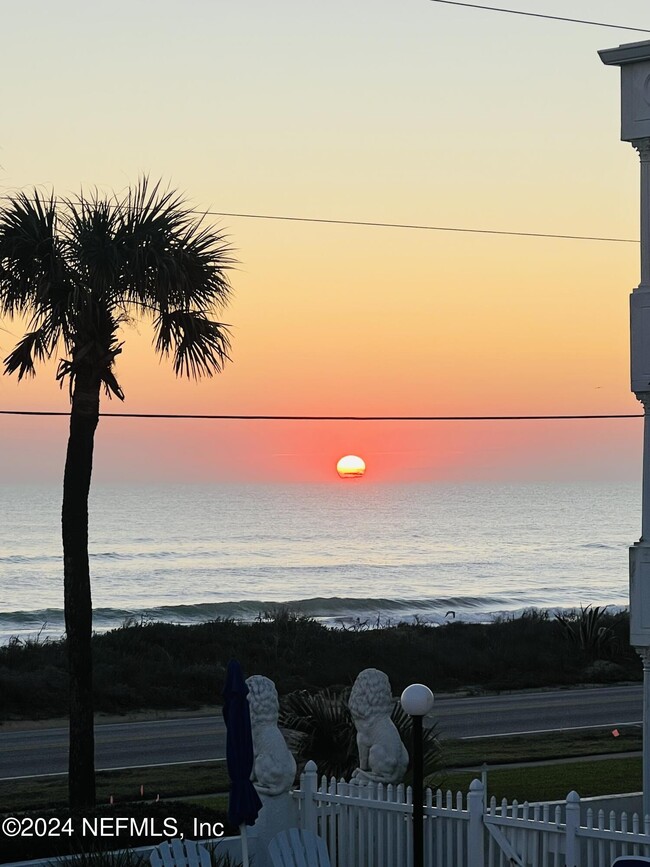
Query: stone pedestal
x=278, y=813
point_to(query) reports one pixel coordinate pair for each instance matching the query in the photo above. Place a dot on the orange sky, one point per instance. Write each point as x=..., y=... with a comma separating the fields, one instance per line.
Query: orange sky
x=430, y=114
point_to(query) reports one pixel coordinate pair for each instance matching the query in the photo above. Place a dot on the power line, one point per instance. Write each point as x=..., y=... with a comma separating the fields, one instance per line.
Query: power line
x=334, y=417
x=420, y=226
x=541, y=15
x=464, y=229
x=383, y=225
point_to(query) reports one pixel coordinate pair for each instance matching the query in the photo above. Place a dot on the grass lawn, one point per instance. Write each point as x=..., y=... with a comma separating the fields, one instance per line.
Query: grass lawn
x=554, y=782
x=208, y=782
x=170, y=781
x=214, y=802
x=554, y=745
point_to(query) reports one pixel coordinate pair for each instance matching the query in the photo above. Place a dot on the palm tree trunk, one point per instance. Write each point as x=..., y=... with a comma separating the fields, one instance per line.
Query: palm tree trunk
x=84, y=417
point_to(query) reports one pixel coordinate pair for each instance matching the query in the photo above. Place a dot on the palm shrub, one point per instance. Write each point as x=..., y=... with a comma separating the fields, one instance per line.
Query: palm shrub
x=103, y=858
x=587, y=632
x=320, y=727
x=77, y=271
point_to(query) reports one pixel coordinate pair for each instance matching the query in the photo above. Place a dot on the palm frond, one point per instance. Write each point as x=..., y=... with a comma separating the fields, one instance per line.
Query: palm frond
x=586, y=630
x=170, y=260
x=90, y=225
x=320, y=727
x=111, y=385
x=34, y=346
x=30, y=258
x=199, y=346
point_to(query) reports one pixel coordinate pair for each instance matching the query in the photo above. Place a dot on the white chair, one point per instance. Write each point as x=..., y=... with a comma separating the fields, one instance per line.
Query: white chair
x=631, y=861
x=180, y=853
x=296, y=848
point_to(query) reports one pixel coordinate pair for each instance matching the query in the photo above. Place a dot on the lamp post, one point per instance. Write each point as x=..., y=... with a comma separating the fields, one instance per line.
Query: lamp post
x=634, y=60
x=417, y=701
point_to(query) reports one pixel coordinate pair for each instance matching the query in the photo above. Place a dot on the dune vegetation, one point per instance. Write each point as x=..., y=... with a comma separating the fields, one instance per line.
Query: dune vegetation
x=159, y=666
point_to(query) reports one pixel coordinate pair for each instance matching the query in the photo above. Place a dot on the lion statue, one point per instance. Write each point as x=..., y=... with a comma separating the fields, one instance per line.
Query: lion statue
x=382, y=755
x=274, y=768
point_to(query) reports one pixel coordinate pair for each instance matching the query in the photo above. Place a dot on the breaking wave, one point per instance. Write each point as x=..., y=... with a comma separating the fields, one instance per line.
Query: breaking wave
x=333, y=611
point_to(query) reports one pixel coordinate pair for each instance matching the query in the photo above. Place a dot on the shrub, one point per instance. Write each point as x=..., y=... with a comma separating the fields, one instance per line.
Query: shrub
x=163, y=666
x=588, y=631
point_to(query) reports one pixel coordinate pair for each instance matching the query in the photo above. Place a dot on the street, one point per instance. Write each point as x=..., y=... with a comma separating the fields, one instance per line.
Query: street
x=201, y=738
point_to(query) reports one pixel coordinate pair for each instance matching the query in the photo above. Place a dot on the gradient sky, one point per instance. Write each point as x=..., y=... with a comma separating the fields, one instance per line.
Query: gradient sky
x=412, y=112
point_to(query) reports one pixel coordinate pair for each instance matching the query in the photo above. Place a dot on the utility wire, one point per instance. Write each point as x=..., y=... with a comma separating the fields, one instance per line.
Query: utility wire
x=429, y=228
x=336, y=417
x=464, y=229
x=447, y=228
x=541, y=15
x=419, y=226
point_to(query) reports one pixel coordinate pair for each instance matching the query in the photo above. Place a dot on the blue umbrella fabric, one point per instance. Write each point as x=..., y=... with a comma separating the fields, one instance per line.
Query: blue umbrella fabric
x=244, y=803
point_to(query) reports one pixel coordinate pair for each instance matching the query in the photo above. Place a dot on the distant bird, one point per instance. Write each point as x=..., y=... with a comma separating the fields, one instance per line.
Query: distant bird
x=453, y=613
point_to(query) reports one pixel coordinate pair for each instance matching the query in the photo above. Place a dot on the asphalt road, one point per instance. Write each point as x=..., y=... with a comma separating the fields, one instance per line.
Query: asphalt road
x=133, y=744
x=520, y=713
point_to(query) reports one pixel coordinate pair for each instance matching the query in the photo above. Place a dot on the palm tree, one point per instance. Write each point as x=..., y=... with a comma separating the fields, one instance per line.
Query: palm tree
x=77, y=270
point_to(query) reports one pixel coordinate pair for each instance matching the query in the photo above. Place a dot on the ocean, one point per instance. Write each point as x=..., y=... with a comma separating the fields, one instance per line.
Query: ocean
x=351, y=554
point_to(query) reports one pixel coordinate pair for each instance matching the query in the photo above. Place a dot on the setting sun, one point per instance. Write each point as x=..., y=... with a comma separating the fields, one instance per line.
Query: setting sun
x=351, y=467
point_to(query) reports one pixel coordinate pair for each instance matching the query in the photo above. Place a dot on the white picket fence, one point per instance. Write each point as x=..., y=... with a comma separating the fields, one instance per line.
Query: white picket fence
x=370, y=826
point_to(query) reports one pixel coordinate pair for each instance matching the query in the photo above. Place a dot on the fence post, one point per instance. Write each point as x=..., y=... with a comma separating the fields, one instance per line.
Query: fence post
x=572, y=847
x=475, y=833
x=309, y=787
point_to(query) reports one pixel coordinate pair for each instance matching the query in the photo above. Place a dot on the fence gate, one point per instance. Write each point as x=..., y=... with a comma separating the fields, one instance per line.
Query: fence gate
x=533, y=836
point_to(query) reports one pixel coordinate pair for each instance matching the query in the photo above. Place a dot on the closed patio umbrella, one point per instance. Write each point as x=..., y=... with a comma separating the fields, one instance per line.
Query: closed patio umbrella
x=244, y=803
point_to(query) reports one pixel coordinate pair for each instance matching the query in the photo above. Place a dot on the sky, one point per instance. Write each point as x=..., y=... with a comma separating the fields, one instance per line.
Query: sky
x=410, y=112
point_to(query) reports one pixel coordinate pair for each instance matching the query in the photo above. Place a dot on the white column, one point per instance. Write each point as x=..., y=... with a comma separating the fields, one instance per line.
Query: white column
x=642, y=145
x=644, y=400
x=634, y=62
x=644, y=653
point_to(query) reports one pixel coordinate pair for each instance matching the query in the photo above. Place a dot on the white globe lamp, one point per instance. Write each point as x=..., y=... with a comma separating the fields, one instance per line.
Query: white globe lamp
x=417, y=700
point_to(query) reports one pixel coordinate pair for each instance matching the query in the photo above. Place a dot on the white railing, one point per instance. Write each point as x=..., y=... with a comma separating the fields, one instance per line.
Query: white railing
x=534, y=836
x=370, y=826
x=608, y=835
